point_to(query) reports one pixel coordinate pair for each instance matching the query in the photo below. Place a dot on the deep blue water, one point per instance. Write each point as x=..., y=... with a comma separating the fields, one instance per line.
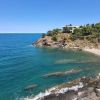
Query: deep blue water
x=21, y=65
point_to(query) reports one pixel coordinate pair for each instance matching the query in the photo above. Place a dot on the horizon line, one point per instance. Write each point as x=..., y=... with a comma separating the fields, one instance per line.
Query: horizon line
x=21, y=32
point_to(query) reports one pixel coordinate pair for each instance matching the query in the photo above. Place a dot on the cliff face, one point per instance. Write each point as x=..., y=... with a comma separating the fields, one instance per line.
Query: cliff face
x=64, y=41
x=40, y=42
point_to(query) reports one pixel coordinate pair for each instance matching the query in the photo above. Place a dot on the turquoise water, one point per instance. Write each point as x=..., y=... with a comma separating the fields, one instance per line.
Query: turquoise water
x=21, y=65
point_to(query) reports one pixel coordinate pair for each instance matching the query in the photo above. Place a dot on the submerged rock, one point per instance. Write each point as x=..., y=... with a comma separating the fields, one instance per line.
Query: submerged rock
x=53, y=74
x=86, y=88
x=30, y=87
x=57, y=74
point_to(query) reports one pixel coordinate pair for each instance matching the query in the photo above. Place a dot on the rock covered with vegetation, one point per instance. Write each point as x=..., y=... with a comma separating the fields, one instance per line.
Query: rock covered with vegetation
x=72, y=37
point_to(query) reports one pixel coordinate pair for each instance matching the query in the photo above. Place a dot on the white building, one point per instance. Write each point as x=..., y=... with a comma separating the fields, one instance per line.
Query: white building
x=71, y=28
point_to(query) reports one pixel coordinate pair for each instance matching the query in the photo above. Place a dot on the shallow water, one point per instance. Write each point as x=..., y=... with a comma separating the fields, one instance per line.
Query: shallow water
x=21, y=65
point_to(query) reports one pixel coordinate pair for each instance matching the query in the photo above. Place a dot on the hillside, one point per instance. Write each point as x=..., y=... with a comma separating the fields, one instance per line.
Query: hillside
x=72, y=37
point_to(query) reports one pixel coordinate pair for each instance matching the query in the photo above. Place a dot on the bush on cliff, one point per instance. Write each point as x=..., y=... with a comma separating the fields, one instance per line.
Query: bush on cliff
x=54, y=38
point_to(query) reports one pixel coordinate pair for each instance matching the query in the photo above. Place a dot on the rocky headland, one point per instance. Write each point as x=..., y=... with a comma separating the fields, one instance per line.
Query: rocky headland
x=85, y=38
x=78, y=44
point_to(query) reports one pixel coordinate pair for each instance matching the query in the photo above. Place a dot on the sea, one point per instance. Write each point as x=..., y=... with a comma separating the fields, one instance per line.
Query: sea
x=22, y=65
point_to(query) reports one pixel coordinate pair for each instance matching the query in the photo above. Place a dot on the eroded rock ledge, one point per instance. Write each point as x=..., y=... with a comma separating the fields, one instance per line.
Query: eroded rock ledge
x=62, y=43
x=85, y=88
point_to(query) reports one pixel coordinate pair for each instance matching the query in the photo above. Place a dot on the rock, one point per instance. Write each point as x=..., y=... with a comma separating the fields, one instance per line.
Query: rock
x=54, y=74
x=72, y=71
x=57, y=74
x=81, y=94
x=97, y=92
x=98, y=85
x=98, y=76
x=30, y=87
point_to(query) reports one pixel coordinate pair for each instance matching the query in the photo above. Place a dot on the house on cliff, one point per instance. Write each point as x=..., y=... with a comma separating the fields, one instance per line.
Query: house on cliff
x=69, y=28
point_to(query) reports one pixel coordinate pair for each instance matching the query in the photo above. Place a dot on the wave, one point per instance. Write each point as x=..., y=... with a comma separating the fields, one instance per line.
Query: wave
x=56, y=91
x=30, y=45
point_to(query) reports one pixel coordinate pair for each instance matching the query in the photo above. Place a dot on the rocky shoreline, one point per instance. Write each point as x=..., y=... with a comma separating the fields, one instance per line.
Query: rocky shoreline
x=85, y=88
x=80, y=45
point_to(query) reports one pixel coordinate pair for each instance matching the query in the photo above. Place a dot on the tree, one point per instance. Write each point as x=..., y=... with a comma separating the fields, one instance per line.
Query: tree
x=97, y=26
x=87, y=25
x=49, y=33
x=70, y=24
x=43, y=35
x=56, y=31
x=81, y=26
x=92, y=25
x=54, y=38
x=66, y=29
x=77, y=32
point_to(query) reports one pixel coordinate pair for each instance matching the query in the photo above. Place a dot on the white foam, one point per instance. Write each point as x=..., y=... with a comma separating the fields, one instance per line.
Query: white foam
x=61, y=91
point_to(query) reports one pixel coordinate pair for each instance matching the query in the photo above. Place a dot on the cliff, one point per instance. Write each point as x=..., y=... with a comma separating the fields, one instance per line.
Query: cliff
x=64, y=41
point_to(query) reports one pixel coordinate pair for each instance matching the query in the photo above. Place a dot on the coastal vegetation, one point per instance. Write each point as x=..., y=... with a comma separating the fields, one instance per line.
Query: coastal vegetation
x=89, y=30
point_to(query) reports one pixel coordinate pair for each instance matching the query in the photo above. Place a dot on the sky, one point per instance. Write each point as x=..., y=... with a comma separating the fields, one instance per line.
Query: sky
x=39, y=16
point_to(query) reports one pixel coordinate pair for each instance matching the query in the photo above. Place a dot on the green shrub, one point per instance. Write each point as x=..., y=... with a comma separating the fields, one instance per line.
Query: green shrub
x=54, y=38
x=43, y=35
